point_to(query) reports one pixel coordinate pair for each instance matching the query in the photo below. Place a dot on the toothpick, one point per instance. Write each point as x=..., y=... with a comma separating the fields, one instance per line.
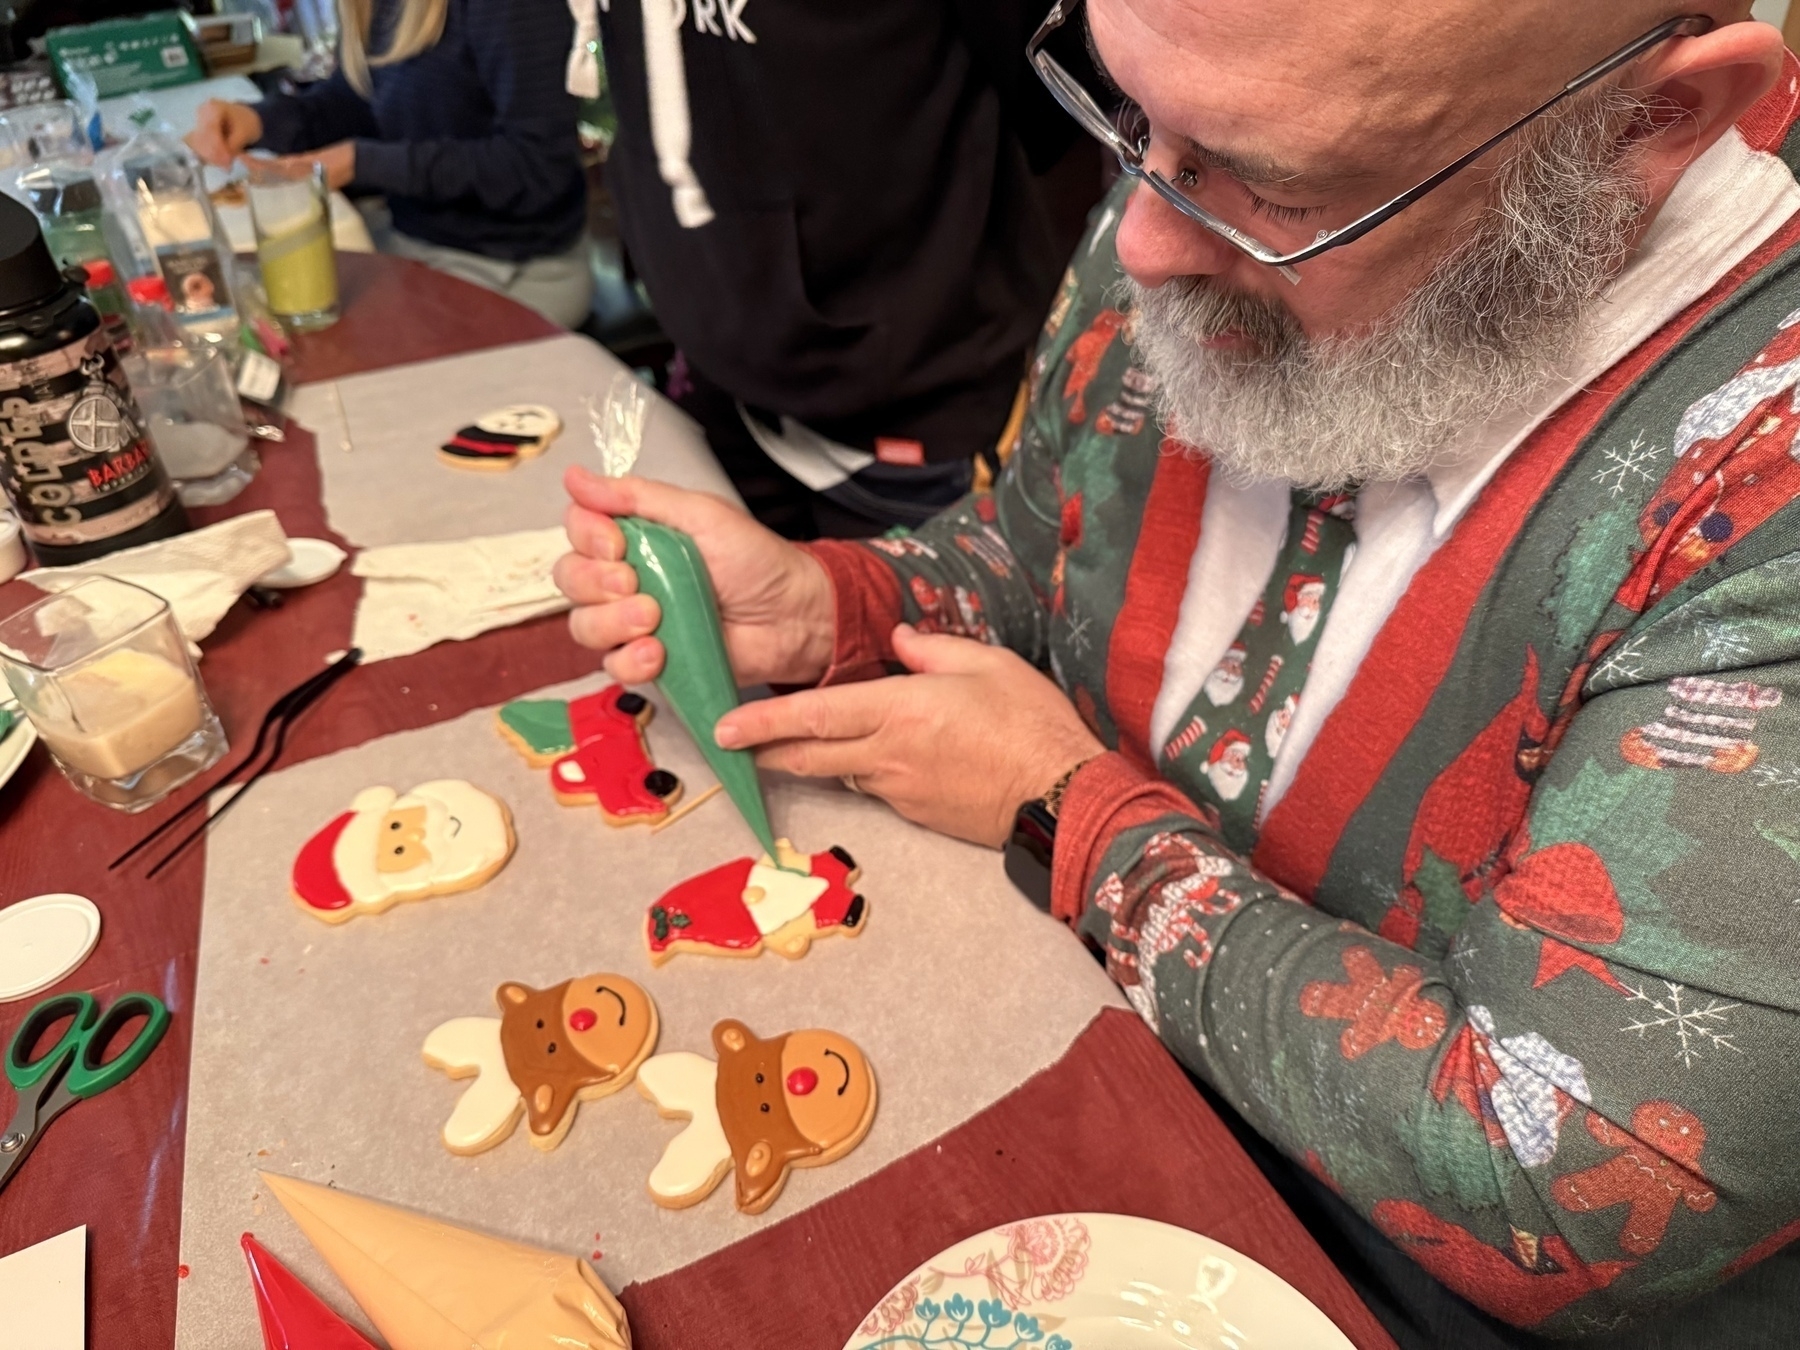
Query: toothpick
x=692, y=806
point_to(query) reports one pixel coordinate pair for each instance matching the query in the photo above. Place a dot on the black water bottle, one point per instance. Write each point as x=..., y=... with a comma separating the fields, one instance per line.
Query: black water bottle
x=75, y=460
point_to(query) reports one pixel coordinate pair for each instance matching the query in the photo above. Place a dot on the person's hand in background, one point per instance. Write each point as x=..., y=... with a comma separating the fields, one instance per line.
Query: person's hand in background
x=223, y=131
x=338, y=161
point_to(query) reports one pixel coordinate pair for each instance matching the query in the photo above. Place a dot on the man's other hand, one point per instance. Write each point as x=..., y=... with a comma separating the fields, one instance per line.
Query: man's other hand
x=957, y=746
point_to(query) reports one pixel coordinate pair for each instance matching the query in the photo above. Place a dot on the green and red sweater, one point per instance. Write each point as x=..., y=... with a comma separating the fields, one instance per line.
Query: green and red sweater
x=1512, y=965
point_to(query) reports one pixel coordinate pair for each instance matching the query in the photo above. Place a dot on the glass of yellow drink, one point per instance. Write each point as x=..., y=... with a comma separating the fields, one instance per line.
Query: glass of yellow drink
x=103, y=672
x=291, y=208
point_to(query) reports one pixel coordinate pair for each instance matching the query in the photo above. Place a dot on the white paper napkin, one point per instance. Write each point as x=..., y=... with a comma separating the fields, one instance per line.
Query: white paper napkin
x=201, y=574
x=417, y=595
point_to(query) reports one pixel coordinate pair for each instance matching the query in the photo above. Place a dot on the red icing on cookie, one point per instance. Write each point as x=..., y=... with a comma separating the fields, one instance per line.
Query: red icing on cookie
x=582, y=1019
x=802, y=1081
x=291, y=1314
x=314, y=878
x=708, y=909
x=609, y=763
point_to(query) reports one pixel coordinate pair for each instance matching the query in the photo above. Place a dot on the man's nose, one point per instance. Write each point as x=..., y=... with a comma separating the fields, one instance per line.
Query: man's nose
x=1156, y=242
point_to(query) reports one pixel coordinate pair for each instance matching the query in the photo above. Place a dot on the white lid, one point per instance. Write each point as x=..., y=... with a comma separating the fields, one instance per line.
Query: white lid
x=42, y=939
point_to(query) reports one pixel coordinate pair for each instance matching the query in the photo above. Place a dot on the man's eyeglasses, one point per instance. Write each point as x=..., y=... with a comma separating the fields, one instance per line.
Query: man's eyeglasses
x=1080, y=105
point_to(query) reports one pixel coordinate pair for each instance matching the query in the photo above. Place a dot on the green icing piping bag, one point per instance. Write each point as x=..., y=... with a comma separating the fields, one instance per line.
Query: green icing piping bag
x=697, y=678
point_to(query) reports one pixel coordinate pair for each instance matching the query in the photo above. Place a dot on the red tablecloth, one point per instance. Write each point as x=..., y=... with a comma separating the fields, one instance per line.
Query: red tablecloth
x=1113, y=1126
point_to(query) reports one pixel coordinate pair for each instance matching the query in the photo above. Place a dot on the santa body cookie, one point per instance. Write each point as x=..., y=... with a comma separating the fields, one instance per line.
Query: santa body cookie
x=595, y=750
x=443, y=836
x=548, y=1050
x=800, y=1100
x=499, y=440
x=737, y=909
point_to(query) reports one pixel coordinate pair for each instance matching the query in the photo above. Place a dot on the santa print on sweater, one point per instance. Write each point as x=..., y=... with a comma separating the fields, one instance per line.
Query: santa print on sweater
x=1515, y=920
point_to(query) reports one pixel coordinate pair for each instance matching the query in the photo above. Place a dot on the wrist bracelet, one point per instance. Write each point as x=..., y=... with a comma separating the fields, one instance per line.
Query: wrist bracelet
x=1053, y=798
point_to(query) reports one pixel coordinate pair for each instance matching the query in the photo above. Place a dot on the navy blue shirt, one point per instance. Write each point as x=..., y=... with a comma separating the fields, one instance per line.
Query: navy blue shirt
x=473, y=141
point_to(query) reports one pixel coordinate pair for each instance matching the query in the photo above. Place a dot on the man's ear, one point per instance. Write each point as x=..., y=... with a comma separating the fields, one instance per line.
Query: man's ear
x=1703, y=85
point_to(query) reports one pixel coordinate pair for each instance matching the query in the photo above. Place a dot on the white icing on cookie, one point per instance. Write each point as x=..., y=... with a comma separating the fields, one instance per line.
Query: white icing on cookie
x=487, y=1111
x=682, y=1083
x=521, y=419
x=775, y=898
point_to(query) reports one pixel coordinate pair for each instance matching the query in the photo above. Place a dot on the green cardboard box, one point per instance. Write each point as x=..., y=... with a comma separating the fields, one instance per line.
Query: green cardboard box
x=123, y=56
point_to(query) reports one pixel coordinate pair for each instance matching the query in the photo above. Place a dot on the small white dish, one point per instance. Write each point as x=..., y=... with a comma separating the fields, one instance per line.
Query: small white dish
x=1094, y=1282
x=43, y=939
x=313, y=560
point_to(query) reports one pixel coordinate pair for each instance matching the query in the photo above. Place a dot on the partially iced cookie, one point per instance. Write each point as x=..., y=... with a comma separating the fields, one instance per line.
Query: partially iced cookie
x=548, y=1050
x=595, y=749
x=442, y=836
x=737, y=909
x=800, y=1100
x=501, y=439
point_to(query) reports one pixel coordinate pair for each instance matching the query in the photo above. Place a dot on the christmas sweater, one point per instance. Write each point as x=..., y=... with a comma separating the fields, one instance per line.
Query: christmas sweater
x=1510, y=966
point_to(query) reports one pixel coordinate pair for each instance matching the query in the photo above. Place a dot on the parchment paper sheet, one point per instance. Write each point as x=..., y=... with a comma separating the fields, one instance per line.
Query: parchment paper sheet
x=306, y=1036
x=395, y=419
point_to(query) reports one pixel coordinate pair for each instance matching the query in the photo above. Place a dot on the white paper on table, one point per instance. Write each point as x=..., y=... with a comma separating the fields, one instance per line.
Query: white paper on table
x=417, y=595
x=43, y=1290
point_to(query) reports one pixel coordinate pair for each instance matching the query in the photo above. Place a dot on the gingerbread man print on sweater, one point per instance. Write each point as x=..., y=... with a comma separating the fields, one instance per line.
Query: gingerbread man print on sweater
x=1379, y=1007
x=1658, y=1170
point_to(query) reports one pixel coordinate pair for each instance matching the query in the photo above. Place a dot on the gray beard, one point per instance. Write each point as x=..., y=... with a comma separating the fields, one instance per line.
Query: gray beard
x=1496, y=321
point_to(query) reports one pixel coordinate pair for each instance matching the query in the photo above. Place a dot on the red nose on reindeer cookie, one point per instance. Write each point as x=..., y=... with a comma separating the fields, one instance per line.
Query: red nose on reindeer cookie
x=800, y=1100
x=549, y=1049
x=737, y=909
x=441, y=837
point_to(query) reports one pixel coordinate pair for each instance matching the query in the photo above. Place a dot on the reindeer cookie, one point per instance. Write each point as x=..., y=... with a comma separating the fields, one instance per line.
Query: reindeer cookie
x=736, y=909
x=548, y=1050
x=800, y=1100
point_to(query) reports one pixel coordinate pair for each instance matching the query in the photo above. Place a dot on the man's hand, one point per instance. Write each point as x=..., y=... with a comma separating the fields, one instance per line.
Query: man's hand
x=223, y=131
x=338, y=161
x=775, y=600
x=957, y=746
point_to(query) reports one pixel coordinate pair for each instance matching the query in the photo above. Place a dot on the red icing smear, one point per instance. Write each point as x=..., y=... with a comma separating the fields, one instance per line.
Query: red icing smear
x=315, y=879
x=713, y=905
x=292, y=1316
x=610, y=762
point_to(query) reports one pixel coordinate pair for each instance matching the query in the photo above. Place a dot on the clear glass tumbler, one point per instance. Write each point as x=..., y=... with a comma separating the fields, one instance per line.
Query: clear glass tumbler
x=291, y=208
x=191, y=408
x=103, y=672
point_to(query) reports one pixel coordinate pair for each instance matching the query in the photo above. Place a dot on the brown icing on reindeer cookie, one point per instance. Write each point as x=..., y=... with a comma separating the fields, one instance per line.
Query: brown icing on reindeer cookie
x=562, y=1041
x=799, y=1100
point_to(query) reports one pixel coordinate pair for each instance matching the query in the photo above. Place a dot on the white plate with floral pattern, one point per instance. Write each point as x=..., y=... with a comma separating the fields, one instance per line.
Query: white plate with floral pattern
x=1094, y=1282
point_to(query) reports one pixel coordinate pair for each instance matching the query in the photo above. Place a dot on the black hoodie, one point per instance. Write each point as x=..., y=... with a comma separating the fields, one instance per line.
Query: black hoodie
x=877, y=259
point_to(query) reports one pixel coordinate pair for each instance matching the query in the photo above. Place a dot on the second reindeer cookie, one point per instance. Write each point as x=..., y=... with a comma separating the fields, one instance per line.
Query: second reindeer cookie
x=800, y=1100
x=548, y=1049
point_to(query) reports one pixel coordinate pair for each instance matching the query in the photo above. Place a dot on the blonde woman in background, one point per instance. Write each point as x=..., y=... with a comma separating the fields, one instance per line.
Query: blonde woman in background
x=455, y=111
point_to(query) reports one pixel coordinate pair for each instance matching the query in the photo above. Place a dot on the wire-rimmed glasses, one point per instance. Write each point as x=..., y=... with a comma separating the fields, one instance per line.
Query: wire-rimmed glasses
x=1080, y=105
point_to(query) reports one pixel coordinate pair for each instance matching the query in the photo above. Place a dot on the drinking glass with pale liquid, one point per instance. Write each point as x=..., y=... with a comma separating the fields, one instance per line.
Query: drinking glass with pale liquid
x=103, y=672
x=291, y=209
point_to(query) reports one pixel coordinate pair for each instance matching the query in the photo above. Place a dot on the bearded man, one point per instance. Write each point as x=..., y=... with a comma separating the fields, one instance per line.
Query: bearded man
x=1494, y=363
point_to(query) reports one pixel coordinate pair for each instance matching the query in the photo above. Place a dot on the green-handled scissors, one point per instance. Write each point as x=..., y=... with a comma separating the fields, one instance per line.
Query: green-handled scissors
x=71, y=1070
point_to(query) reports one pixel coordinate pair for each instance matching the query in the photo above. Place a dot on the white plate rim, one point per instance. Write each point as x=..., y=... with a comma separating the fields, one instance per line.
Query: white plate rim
x=1143, y=1234
x=16, y=745
x=59, y=900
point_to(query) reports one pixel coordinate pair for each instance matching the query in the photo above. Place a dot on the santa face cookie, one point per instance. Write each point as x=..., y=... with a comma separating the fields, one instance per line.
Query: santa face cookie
x=800, y=1100
x=548, y=1050
x=736, y=909
x=595, y=750
x=501, y=439
x=441, y=837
